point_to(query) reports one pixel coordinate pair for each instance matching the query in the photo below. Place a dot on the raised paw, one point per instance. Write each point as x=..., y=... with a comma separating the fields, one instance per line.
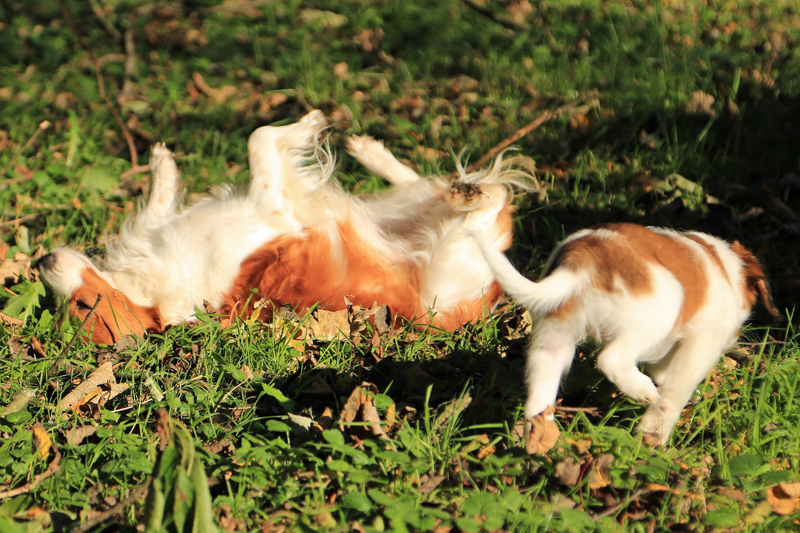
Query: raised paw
x=159, y=156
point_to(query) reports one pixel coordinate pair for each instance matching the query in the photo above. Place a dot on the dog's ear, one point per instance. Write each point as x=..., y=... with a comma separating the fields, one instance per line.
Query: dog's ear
x=755, y=281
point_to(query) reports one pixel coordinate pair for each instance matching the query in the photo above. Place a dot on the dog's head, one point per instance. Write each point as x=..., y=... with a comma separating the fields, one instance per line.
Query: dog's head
x=73, y=277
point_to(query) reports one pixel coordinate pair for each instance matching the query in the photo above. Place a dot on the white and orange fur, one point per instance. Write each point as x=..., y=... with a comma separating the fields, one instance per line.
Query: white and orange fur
x=671, y=301
x=295, y=237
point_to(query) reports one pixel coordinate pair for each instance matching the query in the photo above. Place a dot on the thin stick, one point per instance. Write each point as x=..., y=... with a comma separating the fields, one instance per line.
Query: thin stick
x=612, y=510
x=494, y=18
x=101, y=85
x=52, y=468
x=566, y=109
x=134, y=171
x=588, y=410
x=19, y=220
x=110, y=29
x=137, y=492
x=69, y=346
x=42, y=126
x=130, y=56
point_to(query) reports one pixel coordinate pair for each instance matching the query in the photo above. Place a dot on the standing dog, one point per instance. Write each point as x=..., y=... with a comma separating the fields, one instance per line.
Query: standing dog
x=295, y=237
x=673, y=301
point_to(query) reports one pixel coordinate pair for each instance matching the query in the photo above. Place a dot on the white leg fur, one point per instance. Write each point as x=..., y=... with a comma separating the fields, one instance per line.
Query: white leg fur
x=550, y=354
x=276, y=156
x=164, y=183
x=380, y=161
x=688, y=366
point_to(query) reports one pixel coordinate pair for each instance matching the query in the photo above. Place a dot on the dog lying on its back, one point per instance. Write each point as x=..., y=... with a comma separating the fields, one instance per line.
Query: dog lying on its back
x=674, y=301
x=295, y=237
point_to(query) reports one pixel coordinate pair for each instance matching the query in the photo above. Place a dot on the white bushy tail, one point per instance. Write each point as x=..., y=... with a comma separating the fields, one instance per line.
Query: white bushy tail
x=542, y=297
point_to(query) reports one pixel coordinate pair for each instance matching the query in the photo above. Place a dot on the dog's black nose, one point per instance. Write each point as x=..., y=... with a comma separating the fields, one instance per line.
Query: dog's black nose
x=45, y=262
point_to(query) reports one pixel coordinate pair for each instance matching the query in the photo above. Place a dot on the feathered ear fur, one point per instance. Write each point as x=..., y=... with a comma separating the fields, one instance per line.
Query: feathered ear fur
x=115, y=316
x=754, y=280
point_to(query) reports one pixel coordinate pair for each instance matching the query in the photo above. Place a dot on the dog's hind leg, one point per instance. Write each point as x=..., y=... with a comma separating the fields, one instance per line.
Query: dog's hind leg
x=164, y=184
x=277, y=157
x=688, y=367
x=380, y=161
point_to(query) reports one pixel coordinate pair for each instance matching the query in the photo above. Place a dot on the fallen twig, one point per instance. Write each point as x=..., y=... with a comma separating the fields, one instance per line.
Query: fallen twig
x=52, y=468
x=621, y=505
x=134, y=171
x=567, y=109
x=588, y=410
x=137, y=493
x=130, y=56
x=110, y=29
x=42, y=126
x=74, y=339
x=494, y=18
x=760, y=198
x=101, y=85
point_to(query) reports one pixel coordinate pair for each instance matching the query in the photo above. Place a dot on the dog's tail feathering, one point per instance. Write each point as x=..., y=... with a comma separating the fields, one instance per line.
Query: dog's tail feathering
x=540, y=298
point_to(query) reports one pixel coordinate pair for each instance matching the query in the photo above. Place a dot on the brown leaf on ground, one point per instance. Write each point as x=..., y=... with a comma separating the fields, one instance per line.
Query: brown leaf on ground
x=429, y=483
x=228, y=522
x=568, y=471
x=77, y=434
x=369, y=412
x=700, y=104
x=41, y=440
x=598, y=474
x=101, y=376
x=10, y=321
x=781, y=501
x=325, y=420
x=544, y=432
x=10, y=269
x=219, y=95
x=329, y=325
x=18, y=402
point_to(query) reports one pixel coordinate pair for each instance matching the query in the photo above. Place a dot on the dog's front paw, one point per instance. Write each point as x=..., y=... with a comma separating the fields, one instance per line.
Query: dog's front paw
x=159, y=156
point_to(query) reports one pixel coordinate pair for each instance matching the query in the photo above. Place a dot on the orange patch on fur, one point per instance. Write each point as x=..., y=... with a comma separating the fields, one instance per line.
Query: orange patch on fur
x=467, y=310
x=115, y=316
x=627, y=261
x=302, y=270
x=754, y=281
x=712, y=252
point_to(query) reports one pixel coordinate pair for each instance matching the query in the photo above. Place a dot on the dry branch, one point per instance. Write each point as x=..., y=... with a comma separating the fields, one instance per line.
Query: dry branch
x=137, y=493
x=101, y=85
x=576, y=106
x=42, y=126
x=52, y=468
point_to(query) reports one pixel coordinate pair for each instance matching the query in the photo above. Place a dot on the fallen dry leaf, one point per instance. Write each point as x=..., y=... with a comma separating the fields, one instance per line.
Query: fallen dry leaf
x=598, y=475
x=430, y=483
x=41, y=440
x=101, y=376
x=568, y=471
x=544, y=432
x=329, y=325
x=700, y=104
x=784, y=498
x=77, y=434
x=18, y=402
x=10, y=321
x=10, y=269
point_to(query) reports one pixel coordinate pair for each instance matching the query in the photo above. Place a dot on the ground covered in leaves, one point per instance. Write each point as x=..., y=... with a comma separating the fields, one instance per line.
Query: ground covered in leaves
x=687, y=115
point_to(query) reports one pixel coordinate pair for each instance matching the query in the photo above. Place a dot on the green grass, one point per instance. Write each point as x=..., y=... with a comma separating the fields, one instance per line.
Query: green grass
x=427, y=79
